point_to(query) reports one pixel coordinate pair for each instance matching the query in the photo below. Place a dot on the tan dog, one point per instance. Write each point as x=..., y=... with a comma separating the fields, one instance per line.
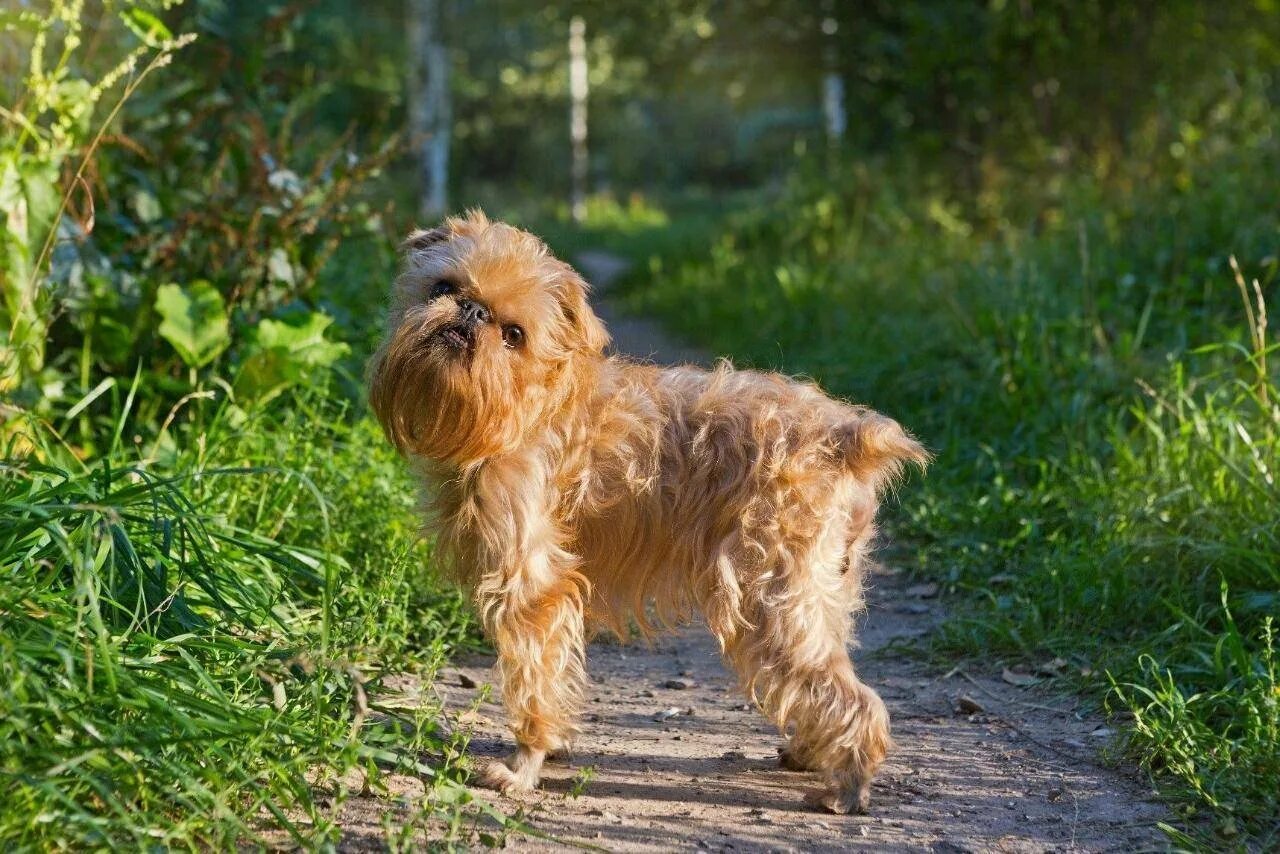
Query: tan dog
x=570, y=490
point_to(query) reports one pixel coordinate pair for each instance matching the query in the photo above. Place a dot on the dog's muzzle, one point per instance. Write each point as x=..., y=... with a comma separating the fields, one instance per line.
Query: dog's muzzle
x=461, y=336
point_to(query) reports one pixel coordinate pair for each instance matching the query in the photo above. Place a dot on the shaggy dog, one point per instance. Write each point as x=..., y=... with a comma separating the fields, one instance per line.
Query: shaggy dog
x=572, y=491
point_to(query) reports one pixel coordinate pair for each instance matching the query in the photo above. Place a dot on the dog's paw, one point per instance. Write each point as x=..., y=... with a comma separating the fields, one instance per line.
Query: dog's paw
x=560, y=754
x=788, y=761
x=840, y=801
x=497, y=776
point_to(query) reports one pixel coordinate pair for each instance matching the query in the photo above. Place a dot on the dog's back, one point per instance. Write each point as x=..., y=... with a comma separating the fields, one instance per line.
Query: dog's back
x=703, y=483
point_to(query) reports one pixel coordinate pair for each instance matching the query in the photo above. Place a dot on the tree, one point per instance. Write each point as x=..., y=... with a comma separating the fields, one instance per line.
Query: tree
x=430, y=106
x=578, y=114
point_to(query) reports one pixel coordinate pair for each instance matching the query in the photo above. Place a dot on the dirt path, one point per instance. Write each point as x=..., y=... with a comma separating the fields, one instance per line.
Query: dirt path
x=981, y=764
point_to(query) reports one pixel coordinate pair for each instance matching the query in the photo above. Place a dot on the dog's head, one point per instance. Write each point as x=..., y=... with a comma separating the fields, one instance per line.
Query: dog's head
x=489, y=336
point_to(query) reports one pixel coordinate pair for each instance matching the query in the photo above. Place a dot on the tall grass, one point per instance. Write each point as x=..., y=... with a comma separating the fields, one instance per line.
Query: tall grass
x=200, y=593
x=194, y=628
x=1105, y=411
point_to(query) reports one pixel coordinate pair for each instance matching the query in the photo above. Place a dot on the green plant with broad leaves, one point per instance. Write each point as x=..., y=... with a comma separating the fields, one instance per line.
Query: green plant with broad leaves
x=282, y=354
x=194, y=321
x=47, y=140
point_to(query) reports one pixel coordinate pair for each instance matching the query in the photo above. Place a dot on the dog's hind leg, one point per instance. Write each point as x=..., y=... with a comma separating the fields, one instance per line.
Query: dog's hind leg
x=793, y=661
x=845, y=727
x=839, y=726
x=795, y=757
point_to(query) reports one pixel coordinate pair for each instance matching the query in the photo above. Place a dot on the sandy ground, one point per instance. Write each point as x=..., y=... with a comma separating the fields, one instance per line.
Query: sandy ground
x=672, y=758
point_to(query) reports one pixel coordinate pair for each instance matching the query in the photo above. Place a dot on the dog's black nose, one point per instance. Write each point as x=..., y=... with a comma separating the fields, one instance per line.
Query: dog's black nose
x=473, y=312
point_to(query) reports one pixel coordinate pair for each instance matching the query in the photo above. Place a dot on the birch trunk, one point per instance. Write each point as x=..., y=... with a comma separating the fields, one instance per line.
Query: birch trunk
x=430, y=106
x=578, y=115
x=832, y=82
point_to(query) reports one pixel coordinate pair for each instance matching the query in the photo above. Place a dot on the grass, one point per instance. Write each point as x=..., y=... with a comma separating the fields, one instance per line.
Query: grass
x=641, y=229
x=1097, y=380
x=202, y=595
x=195, y=626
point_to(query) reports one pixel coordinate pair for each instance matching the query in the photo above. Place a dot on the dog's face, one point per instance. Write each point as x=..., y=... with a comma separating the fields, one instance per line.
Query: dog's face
x=488, y=338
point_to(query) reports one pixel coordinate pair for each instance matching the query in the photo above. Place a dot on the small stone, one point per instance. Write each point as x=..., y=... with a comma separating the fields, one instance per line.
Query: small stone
x=1103, y=732
x=466, y=681
x=922, y=591
x=733, y=755
x=673, y=712
x=966, y=705
x=862, y=829
x=1013, y=677
x=646, y=693
x=680, y=684
x=1054, y=795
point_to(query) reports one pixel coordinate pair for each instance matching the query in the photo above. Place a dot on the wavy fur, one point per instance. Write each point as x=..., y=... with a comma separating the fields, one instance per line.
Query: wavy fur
x=571, y=492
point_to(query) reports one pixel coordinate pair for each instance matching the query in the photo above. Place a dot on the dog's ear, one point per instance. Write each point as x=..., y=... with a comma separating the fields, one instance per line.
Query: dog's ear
x=424, y=238
x=587, y=327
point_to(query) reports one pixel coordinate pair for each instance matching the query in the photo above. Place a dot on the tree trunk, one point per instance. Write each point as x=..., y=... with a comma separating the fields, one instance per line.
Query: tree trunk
x=578, y=115
x=430, y=106
x=832, y=82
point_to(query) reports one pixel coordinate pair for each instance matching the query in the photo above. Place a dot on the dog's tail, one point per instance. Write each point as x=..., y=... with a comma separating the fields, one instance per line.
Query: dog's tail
x=877, y=450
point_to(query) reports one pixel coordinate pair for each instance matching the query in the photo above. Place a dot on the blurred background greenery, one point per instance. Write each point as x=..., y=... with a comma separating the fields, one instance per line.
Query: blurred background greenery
x=1041, y=232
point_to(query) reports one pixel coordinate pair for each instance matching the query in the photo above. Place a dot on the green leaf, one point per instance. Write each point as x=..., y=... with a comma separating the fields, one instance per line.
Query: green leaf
x=29, y=202
x=195, y=321
x=146, y=26
x=145, y=205
x=283, y=354
x=11, y=19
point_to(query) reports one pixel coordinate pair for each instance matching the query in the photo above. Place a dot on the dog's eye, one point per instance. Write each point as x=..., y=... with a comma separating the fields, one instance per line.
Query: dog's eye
x=512, y=335
x=441, y=288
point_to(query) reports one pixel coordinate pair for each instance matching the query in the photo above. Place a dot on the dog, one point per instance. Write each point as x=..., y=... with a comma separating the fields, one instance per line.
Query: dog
x=572, y=491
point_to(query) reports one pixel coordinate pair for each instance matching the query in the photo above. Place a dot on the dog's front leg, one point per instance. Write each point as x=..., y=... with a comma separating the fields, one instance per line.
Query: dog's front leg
x=535, y=620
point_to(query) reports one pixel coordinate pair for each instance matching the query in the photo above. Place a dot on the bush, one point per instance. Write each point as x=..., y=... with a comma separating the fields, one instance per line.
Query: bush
x=175, y=670
x=206, y=572
x=1106, y=425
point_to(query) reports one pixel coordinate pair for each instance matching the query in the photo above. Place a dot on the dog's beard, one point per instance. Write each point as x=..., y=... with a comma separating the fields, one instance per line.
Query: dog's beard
x=443, y=395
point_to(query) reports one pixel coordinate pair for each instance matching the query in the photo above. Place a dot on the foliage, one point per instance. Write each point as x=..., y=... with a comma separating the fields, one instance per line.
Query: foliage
x=696, y=93
x=194, y=321
x=1043, y=200
x=193, y=640
x=48, y=125
x=175, y=671
x=281, y=355
x=1092, y=518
